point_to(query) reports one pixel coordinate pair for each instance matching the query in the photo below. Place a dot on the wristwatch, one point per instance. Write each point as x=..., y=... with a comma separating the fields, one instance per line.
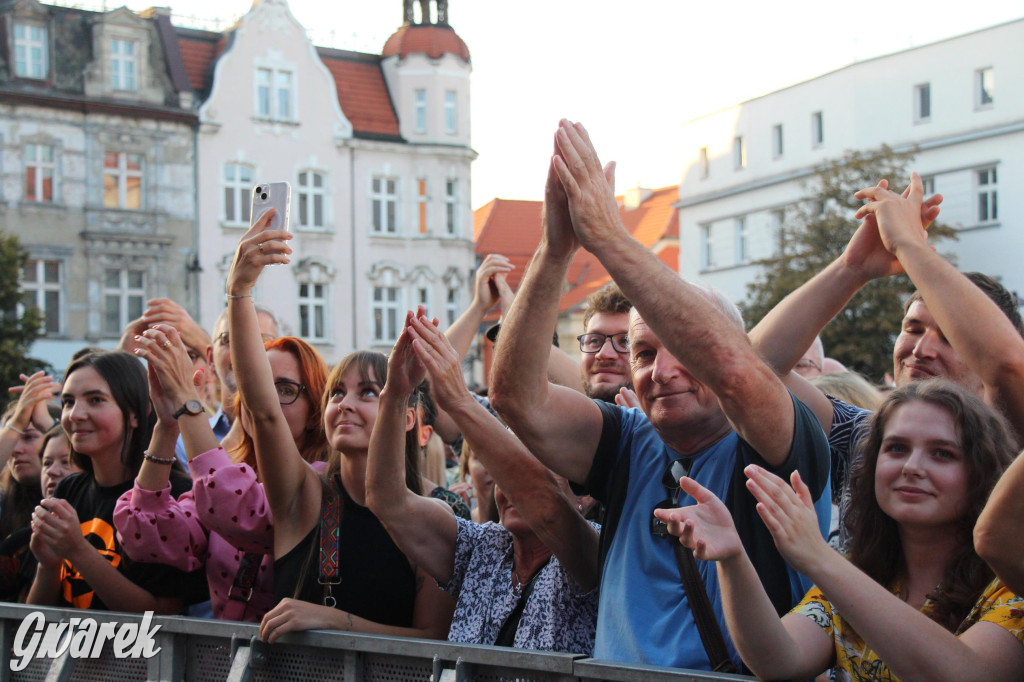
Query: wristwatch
x=192, y=407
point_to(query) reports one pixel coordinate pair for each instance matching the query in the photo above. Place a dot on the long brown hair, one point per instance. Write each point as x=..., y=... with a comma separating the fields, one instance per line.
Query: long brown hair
x=313, y=376
x=988, y=448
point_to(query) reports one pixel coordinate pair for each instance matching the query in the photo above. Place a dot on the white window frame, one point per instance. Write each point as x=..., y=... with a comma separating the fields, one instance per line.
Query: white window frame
x=268, y=91
x=39, y=289
x=707, y=250
x=237, y=193
x=122, y=173
x=986, y=182
x=817, y=129
x=451, y=112
x=984, y=93
x=739, y=153
x=127, y=297
x=922, y=102
x=31, y=50
x=422, y=206
x=313, y=311
x=452, y=214
x=419, y=106
x=702, y=163
x=451, y=304
x=928, y=183
x=742, y=229
x=384, y=206
x=423, y=297
x=124, y=64
x=43, y=169
x=380, y=306
x=307, y=195
x=778, y=142
x=778, y=223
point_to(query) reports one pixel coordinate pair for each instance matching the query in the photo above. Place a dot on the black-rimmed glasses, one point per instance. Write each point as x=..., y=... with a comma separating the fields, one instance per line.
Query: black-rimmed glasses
x=593, y=342
x=670, y=480
x=288, y=391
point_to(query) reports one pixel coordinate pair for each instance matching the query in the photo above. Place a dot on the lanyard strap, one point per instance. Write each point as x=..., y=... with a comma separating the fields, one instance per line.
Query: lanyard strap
x=248, y=569
x=330, y=540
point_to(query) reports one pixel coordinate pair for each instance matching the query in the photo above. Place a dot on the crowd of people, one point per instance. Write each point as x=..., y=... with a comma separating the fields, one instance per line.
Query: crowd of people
x=688, y=494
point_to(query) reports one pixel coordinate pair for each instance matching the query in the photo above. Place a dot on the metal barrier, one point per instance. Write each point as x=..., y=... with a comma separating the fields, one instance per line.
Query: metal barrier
x=200, y=650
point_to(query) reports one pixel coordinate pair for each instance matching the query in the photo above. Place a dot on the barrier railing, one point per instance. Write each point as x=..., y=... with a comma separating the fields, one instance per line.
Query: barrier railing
x=200, y=650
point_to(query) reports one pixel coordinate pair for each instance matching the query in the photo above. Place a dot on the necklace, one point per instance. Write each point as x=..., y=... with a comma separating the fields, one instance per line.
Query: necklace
x=517, y=587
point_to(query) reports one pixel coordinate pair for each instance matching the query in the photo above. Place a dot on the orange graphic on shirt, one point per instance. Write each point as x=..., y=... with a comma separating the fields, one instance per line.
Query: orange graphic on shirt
x=76, y=590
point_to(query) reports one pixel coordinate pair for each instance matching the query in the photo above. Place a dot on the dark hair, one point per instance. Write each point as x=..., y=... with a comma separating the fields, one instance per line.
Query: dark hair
x=427, y=403
x=608, y=299
x=313, y=375
x=19, y=498
x=1005, y=299
x=988, y=448
x=126, y=378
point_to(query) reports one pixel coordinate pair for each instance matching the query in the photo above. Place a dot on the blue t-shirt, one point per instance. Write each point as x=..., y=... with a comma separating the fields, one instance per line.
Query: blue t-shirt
x=643, y=615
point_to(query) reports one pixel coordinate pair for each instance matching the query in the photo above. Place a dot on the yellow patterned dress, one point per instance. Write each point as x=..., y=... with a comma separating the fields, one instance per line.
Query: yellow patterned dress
x=855, y=661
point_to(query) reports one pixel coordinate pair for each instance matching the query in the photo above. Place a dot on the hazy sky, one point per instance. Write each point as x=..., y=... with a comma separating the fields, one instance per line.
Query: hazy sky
x=632, y=72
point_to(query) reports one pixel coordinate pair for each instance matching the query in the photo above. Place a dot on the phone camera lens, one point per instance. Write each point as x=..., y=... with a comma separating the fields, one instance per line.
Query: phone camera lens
x=263, y=196
x=258, y=190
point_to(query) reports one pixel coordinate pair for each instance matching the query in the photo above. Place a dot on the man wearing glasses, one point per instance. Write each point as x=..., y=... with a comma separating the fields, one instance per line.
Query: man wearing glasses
x=709, y=408
x=604, y=366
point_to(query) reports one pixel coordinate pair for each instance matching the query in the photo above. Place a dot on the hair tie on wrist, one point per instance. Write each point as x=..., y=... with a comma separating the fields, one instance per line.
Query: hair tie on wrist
x=158, y=460
x=14, y=428
x=239, y=296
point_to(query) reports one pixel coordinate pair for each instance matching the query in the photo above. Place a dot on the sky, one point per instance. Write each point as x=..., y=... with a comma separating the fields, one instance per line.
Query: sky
x=631, y=72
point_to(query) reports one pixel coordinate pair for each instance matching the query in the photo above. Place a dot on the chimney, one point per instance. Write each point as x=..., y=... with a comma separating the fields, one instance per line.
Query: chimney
x=636, y=196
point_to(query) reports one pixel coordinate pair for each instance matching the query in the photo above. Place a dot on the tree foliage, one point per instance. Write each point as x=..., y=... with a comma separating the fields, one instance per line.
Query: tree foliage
x=17, y=333
x=815, y=232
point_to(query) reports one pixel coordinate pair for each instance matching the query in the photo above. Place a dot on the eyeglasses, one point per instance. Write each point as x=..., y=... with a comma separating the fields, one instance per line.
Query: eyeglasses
x=594, y=342
x=224, y=338
x=288, y=391
x=807, y=363
x=670, y=479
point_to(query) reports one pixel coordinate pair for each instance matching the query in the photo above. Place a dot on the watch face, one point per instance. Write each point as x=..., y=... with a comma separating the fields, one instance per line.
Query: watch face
x=193, y=407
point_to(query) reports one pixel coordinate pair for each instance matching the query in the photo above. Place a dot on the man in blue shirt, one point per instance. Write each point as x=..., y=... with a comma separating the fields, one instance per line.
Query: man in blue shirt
x=706, y=400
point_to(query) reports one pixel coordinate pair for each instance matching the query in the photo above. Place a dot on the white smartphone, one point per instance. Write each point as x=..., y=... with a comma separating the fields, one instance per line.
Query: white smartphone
x=276, y=195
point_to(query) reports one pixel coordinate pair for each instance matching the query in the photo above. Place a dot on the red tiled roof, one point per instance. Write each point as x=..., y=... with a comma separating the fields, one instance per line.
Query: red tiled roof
x=512, y=228
x=362, y=92
x=199, y=51
x=430, y=39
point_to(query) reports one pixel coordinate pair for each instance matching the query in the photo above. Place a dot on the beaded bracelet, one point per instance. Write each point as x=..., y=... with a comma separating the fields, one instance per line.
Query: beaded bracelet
x=158, y=460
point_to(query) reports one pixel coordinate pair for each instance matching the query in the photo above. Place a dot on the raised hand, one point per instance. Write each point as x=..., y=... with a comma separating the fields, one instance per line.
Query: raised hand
x=705, y=527
x=172, y=378
x=405, y=372
x=440, y=361
x=788, y=512
x=556, y=220
x=898, y=217
x=626, y=398
x=33, y=396
x=258, y=248
x=486, y=293
x=588, y=187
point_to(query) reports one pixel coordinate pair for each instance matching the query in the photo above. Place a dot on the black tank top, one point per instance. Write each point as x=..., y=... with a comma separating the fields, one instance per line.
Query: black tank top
x=377, y=582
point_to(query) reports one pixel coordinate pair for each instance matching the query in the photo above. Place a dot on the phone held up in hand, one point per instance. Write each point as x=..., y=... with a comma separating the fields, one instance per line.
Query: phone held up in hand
x=276, y=195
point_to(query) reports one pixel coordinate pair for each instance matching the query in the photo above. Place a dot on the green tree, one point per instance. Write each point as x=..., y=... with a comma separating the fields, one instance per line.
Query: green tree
x=16, y=333
x=814, y=234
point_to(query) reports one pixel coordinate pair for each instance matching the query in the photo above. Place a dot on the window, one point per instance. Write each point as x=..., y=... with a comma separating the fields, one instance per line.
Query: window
x=777, y=141
x=702, y=162
x=739, y=153
x=778, y=222
x=817, y=129
x=451, y=206
x=384, y=198
x=451, y=306
x=274, y=94
x=122, y=64
x=707, y=259
x=313, y=312
x=122, y=180
x=922, y=102
x=124, y=298
x=311, y=199
x=928, y=182
x=42, y=283
x=988, y=206
x=451, y=113
x=420, y=108
x=423, y=297
x=39, y=173
x=742, y=241
x=421, y=205
x=31, y=51
x=386, y=308
x=984, y=87
x=237, y=184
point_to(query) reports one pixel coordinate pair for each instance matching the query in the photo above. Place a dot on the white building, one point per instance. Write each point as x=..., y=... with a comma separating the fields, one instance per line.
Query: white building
x=377, y=150
x=751, y=161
